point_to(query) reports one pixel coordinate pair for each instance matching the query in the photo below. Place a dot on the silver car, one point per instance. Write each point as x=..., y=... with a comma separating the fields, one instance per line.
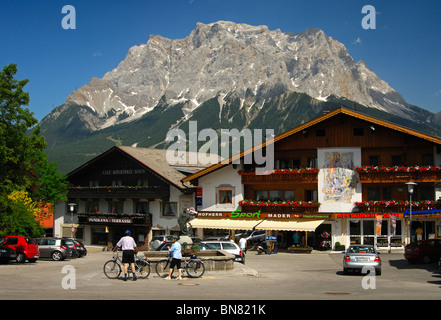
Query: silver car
x=55, y=248
x=228, y=246
x=359, y=256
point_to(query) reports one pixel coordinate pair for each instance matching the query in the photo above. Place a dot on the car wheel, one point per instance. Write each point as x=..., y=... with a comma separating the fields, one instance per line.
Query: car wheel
x=21, y=258
x=57, y=256
x=378, y=272
x=426, y=259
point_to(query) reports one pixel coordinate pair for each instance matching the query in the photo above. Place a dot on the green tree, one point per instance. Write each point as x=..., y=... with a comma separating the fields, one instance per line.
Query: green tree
x=23, y=164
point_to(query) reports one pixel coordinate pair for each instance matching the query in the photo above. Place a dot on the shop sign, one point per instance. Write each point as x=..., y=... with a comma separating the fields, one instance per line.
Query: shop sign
x=240, y=214
x=361, y=215
x=109, y=220
x=429, y=211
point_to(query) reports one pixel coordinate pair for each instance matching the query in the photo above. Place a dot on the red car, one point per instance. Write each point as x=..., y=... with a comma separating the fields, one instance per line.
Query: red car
x=25, y=247
x=423, y=250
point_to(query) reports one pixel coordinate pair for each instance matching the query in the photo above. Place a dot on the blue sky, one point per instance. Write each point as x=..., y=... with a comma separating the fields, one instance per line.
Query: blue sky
x=404, y=49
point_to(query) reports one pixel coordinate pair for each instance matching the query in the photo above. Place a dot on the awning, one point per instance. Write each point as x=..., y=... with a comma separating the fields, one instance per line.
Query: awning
x=290, y=225
x=235, y=224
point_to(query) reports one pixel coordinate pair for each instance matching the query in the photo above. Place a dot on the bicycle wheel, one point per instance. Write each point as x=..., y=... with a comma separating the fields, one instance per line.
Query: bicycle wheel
x=195, y=269
x=142, y=268
x=162, y=268
x=112, y=269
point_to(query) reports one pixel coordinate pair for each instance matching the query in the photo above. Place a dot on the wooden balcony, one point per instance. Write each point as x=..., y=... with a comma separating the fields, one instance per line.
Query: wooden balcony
x=397, y=207
x=282, y=175
x=124, y=192
x=399, y=174
x=281, y=209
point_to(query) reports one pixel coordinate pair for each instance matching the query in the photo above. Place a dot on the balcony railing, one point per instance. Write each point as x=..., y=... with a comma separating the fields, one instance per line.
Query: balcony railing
x=305, y=175
x=399, y=174
x=105, y=192
x=394, y=206
x=280, y=207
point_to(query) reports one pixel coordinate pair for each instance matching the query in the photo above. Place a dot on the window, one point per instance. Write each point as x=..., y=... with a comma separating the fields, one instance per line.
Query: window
x=92, y=206
x=225, y=196
x=276, y=195
x=282, y=164
x=312, y=162
x=374, y=194
x=169, y=209
x=262, y=195
x=296, y=163
x=311, y=195
x=426, y=194
x=143, y=183
x=116, y=207
x=141, y=207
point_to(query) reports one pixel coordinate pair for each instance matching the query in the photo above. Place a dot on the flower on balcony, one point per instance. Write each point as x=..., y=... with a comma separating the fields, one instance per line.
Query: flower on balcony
x=257, y=203
x=109, y=188
x=100, y=214
x=283, y=171
x=387, y=203
x=368, y=169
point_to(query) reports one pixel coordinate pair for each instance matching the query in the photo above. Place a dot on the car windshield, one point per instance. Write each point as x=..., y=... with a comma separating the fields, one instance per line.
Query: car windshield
x=361, y=249
x=213, y=245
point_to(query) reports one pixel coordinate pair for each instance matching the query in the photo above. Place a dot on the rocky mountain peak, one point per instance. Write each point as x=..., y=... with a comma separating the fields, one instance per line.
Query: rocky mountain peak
x=251, y=62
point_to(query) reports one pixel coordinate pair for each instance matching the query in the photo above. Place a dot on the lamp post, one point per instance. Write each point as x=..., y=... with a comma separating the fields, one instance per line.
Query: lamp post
x=410, y=188
x=72, y=209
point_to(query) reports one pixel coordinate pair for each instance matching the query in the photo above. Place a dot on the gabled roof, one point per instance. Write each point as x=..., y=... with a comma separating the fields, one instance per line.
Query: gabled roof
x=153, y=159
x=308, y=124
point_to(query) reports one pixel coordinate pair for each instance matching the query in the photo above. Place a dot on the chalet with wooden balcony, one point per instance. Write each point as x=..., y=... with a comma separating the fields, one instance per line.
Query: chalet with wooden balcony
x=342, y=173
x=124, y=188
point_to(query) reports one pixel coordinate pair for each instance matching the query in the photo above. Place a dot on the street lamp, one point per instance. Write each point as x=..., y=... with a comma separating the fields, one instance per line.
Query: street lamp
x=72, y=209
x=410, y=188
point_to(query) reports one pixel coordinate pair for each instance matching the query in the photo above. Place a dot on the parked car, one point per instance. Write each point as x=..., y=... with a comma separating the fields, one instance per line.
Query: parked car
x=253, y=236
x=54, y=248
x=228, y=246
x=423, y=250
x=163, y=246
x=6, y=254
x=25, y=247
x=71, y=245
x=359, y=256
x=157, y=240
x=79, y=246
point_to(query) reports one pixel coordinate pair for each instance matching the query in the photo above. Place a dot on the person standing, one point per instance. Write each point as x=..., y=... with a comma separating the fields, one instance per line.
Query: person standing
x=176, y=255
x=128, y=246
x=243, y=244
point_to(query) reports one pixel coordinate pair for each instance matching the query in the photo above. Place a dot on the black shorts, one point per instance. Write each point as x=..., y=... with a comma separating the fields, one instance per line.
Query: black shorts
x=175, y=262
x=128, y=256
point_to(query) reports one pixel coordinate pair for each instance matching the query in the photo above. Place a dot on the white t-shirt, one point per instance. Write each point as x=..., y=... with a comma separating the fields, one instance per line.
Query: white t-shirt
x=126, y=243
x=242, y=243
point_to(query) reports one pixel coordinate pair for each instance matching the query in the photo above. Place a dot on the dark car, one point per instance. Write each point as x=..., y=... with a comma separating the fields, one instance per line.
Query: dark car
x=6, y=254
x=71, y=245
x=25, y=247
x=423, y=250
x=81, y=250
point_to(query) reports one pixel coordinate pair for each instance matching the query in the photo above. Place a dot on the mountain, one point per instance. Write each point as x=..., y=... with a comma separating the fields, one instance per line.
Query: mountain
x=224, y=75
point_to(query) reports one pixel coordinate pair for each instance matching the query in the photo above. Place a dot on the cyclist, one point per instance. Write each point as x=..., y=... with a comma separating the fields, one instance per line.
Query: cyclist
x=175, y=254
x=128, y=246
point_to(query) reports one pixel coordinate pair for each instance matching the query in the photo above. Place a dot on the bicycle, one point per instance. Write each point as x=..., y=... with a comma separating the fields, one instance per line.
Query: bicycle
x=113, y=268
x=193, y=266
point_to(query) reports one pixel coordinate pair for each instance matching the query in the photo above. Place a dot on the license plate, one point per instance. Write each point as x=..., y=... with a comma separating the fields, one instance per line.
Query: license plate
x=361, y=259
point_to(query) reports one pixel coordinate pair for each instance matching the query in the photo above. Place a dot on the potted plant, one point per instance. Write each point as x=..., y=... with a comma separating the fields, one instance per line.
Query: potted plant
x=339, y=247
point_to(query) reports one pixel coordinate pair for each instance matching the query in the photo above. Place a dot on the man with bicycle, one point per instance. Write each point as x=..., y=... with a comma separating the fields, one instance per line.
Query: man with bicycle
x=128, y=246
x=175, y=254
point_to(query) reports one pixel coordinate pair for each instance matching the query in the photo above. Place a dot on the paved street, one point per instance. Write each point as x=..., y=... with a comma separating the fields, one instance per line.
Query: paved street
x=283, y=276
